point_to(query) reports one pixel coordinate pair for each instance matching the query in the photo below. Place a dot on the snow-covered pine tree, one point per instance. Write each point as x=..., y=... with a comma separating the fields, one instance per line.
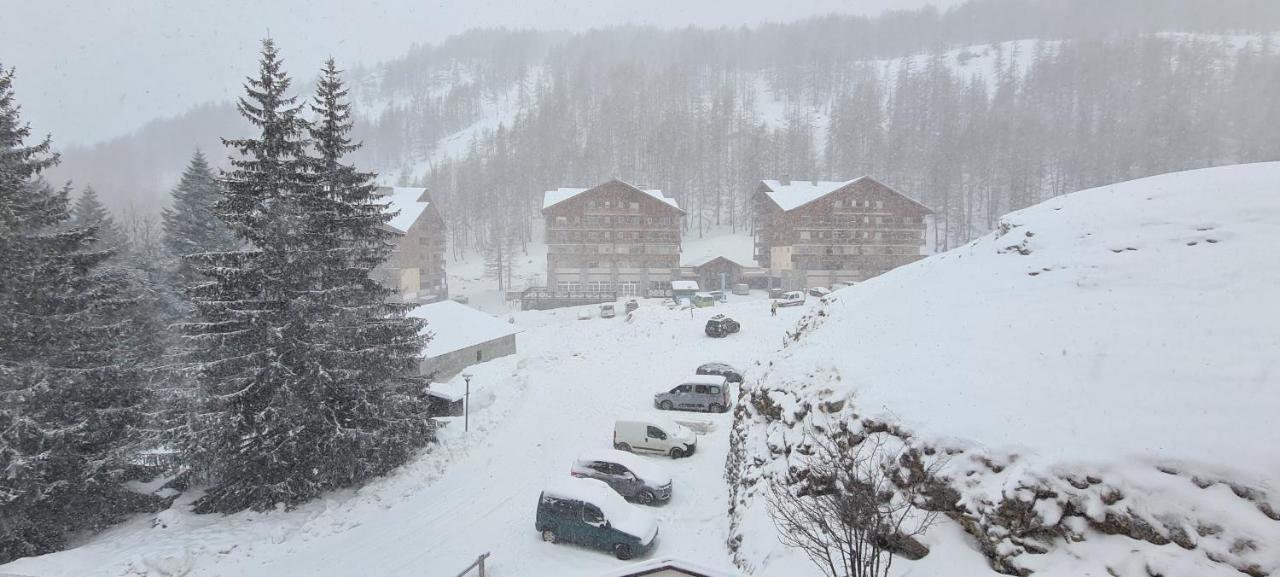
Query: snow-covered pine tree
x=373, y=413
x=89, y=212
x=71, y=393
x=291, y=343
x=190, y=225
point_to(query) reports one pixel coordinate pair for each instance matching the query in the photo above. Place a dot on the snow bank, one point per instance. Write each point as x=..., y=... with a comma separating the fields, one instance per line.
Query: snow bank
x=1105, y=362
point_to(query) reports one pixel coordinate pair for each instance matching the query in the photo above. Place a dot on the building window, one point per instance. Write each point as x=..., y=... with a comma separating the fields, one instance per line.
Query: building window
x=804, y=235
x=635, y=206
x=839, y=204
x=562, y=221
x=479, y=355
x=879, y=204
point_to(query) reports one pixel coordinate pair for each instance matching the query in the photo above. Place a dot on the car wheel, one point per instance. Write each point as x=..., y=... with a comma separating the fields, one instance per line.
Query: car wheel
x=677, y=452
x=646, y=497
x=549, y=536
x=665, y=405
x=622, y=551
x=715, y=408
x=623, y=447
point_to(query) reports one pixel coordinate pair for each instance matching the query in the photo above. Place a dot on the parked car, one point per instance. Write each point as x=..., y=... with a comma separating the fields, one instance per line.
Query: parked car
x=632, y=305
x=819, y=292
x=703, y=300
x=460, y=299
x=632, y=477
x=699, y=393
x=720, y=326
x=584, y=314
x=606, y=311
x=741, y=289
x=729, y=373
x=776, y=293
x=588, y=512
x=719, y=296
x=791, y=299
x=654, y=435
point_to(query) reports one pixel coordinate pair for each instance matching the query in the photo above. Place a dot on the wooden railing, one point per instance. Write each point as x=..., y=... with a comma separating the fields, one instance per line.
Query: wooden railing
x=478, y=563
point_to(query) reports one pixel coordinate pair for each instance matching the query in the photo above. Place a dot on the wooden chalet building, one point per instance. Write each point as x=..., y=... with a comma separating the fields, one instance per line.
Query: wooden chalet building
x=611, y=238
x=415, y=269
x=814, y=233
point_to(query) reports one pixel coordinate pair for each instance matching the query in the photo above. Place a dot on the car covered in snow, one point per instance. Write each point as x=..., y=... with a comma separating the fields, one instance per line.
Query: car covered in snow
x=632, y=305
x=606, y=311
x=819, y=291
x=588, y=512
x=725, y=370
x=635, y=478
x=700, y=393
x=654, y=434
x=584, y=314
x=791, y=299
x=721, y=326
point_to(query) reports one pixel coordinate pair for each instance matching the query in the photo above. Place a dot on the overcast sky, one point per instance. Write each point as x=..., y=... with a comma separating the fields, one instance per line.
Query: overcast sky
x=90, y=70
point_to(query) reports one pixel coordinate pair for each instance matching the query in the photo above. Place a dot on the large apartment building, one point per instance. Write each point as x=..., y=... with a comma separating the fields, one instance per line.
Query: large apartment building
x=613, y=237
x=415, y=269
x=815, y=233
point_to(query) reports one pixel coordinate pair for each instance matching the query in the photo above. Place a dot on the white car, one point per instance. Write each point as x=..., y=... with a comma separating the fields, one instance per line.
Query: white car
x=656, y=435
x=791, y=299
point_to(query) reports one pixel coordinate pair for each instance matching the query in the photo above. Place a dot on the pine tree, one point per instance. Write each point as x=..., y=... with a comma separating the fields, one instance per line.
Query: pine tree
x=190, y=225
x=89, y=212
x=297, y=355
x=71, y=394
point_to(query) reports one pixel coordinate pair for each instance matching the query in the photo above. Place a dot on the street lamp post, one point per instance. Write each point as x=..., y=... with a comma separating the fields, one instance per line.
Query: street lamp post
x=466, y=404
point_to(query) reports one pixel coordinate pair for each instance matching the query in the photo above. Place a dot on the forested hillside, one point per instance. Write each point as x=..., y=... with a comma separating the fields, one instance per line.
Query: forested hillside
x=976, y=111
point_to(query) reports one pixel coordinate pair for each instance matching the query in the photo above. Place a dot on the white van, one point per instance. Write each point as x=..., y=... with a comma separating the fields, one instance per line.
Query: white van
x=655, y=435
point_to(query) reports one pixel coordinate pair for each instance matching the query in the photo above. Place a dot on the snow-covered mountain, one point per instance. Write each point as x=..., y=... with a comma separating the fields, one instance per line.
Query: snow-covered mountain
x=1100, y=375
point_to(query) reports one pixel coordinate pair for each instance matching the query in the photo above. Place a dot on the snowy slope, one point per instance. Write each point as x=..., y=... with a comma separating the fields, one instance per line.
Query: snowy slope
x=1126, y=333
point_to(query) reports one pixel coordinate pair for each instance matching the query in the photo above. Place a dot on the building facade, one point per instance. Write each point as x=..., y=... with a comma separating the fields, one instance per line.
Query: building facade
x=812, y=233
x=416, y=267
x=613, y=237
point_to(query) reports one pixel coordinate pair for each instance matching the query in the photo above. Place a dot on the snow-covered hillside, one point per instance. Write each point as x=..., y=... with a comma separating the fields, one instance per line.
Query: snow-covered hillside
x=1109, y=358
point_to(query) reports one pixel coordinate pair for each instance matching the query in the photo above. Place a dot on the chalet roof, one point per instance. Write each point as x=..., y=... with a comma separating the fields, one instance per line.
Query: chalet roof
x=409, y=201
x=678, y=566
x=706, y=260
x=455, y=326
x=798, y=193
x=553, y=197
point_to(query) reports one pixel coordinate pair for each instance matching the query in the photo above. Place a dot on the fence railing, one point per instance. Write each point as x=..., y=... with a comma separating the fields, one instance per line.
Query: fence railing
x=478, y=563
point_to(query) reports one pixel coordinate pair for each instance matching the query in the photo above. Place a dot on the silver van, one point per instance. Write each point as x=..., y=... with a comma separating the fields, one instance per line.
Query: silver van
x=699, y=393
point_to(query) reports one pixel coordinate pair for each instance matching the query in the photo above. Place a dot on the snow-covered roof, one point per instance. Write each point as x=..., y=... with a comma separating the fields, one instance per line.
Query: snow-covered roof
x=798, y=193
x=404, y=199
x=455, y=326
x=684, y=285
x=553, y=197
x=644, y=468
x=652, y=566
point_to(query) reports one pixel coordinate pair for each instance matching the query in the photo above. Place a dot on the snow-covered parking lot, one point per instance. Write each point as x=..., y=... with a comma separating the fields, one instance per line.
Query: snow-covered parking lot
x=477, y=492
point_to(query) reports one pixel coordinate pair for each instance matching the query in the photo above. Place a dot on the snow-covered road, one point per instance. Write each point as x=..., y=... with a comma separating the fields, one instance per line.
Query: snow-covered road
x=533, y=413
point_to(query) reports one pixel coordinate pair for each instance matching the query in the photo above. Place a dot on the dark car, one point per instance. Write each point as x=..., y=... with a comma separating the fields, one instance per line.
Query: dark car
x=588, y=512
x=632, y=305
x=721, y=326
x=729, y=373
x=776, y=293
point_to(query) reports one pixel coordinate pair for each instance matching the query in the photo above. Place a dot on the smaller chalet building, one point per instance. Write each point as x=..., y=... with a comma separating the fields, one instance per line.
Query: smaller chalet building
x=814, y=233
x=415, y=269
x=460, y=337
x=611, y=238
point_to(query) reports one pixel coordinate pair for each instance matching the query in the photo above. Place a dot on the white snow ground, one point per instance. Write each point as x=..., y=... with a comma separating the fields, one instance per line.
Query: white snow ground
x=533, y=413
